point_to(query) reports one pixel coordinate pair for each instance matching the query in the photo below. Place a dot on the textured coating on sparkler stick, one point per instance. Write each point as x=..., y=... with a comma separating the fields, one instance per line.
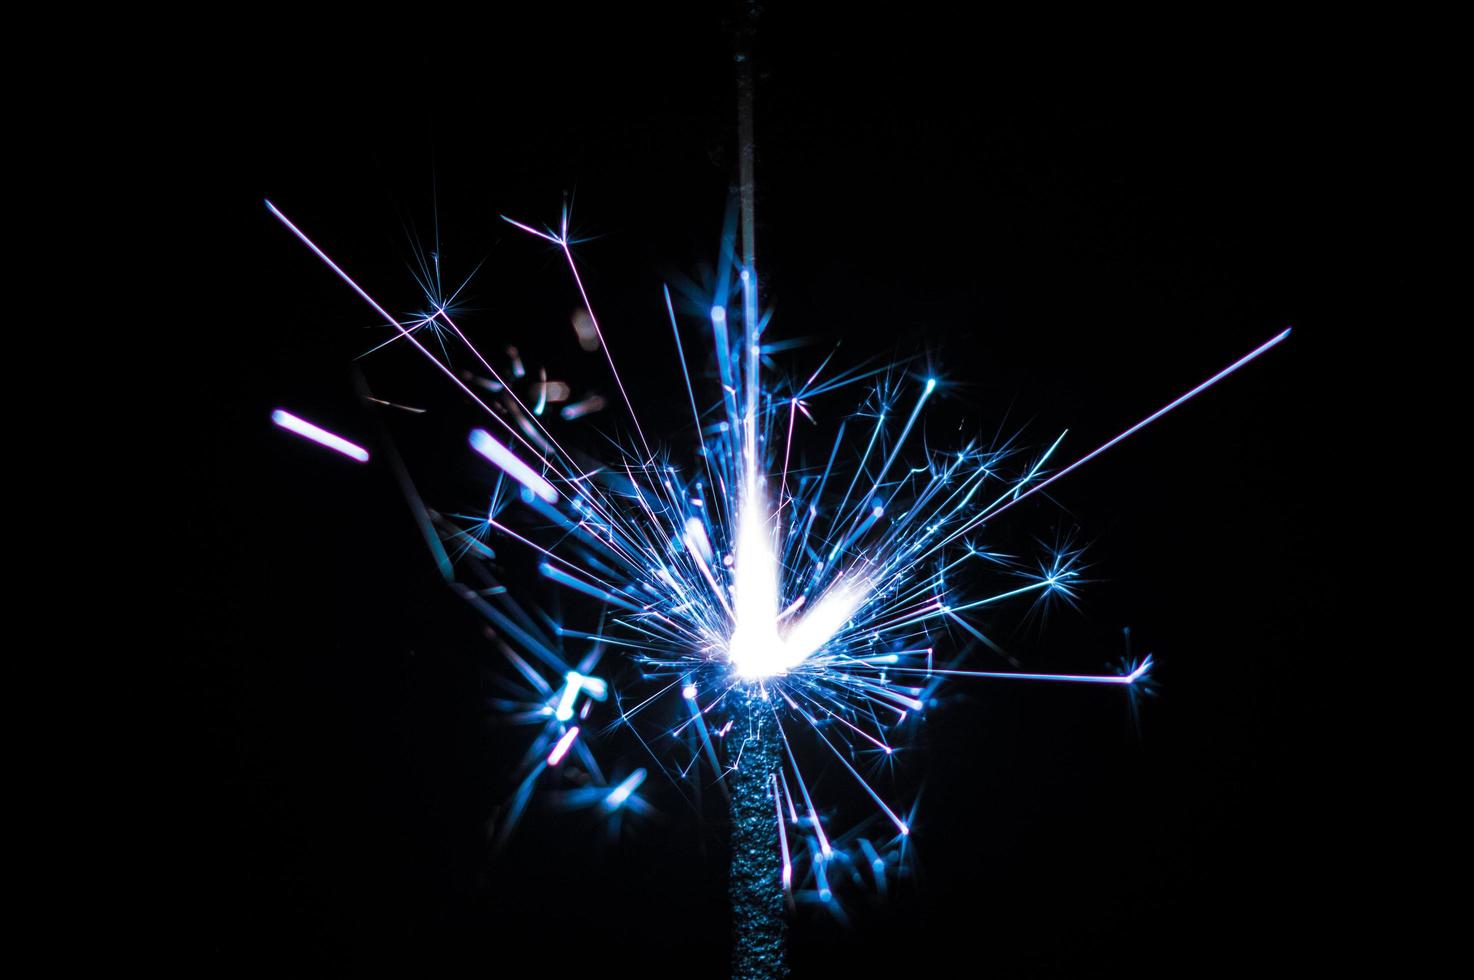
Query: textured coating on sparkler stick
x=759, y=927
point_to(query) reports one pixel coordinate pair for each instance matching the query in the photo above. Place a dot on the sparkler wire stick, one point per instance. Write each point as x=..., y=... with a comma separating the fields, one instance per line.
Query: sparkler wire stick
x=760, y=868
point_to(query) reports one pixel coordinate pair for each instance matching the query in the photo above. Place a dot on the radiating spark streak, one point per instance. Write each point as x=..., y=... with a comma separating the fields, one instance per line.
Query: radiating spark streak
x=473, y=544
x=533, y=231
x=859, y=531
x=931, y=385
x=686, y=376
x=561, y=748
x=654, y=520
x=890, y=698
x=321, y=436
x=724, y=362
x=823, y=482
x=499, y=455
x=688, y=693
x=495, y=375
x=1181, y=399
x=975, y=633
x=649, y=700
x=389, y=320
x=406, y=408
x=1125, y=679
x=787, y=796
x=782, y=836
x=696, y=538
x=408, y=329
x=990, y=600
x=648, y=750
x=1013, y=491
x=877, y=866
x=611, y=640
x=505, y=624
x=562, y=242
x=705, y=570
x=511, y=393
x=845, y=722
x=528, y=673
x=577, y=410
x=859, y=468
x=544, y=551
x=787, y=452
x=621, y=793
x=900, y=824
x=804, y=789
x=578, y=584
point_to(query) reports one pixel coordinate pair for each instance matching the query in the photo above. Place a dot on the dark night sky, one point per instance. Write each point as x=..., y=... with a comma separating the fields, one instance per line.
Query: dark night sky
x=1072, y=241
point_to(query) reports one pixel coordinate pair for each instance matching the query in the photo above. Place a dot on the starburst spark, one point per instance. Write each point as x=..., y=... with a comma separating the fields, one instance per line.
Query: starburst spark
x=751, y=588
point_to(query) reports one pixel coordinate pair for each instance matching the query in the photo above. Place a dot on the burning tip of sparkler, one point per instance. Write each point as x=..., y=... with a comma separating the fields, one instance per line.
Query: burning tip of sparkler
x=546, y=236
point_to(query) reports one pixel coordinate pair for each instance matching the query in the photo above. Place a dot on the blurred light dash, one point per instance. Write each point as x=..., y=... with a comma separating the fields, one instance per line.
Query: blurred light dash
x=322, y=437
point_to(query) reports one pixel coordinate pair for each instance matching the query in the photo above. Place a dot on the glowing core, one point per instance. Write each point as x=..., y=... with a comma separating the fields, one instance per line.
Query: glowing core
x=756, y=649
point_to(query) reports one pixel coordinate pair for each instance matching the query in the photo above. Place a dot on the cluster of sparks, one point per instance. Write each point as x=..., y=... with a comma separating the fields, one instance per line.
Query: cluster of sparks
x=818, y=579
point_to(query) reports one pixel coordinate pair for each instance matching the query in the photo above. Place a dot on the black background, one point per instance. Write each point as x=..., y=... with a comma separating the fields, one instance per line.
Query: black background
x=1070, y=241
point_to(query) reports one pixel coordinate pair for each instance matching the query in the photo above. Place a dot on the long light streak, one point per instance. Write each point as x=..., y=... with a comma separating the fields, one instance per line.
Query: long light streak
x=321, y=436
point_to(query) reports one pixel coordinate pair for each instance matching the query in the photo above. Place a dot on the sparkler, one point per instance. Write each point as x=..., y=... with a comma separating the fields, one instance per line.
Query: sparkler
x=767, y=596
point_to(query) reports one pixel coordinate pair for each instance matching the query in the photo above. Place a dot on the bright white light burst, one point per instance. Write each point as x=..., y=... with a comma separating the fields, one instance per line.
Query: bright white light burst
x=759, y=648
